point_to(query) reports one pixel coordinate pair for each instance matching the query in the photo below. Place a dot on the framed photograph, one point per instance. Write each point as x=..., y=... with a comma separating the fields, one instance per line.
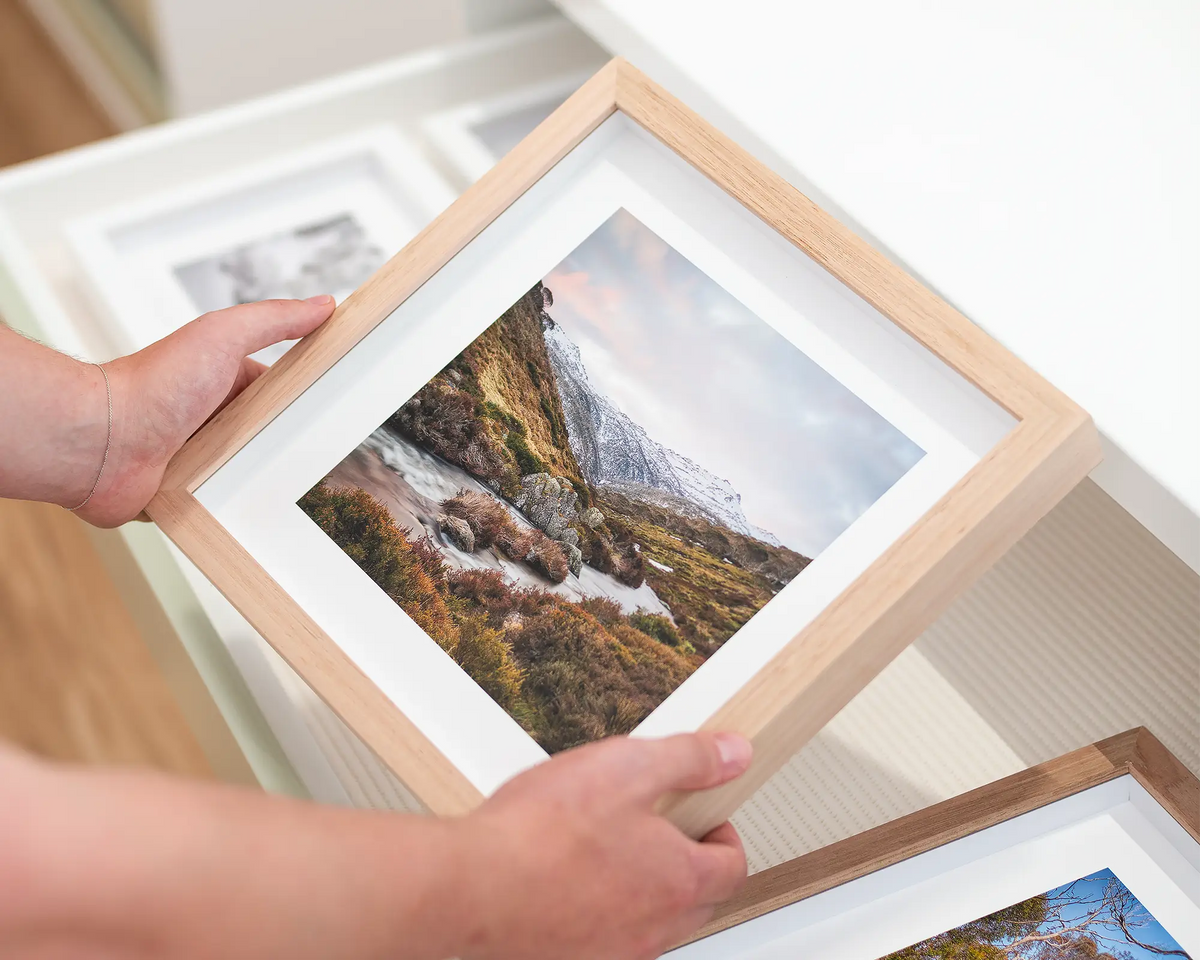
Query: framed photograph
x=634, y=438
x=474, y=136
x=320, y=220
x=1095, y=854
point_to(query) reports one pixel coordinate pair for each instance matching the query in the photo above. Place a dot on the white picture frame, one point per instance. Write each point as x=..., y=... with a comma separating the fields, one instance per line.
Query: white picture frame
x=132, y=256
x=474, y=136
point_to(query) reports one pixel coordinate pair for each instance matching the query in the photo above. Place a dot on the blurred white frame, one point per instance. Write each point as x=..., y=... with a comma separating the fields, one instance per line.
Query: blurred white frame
x=474, y=136
x=129, y=254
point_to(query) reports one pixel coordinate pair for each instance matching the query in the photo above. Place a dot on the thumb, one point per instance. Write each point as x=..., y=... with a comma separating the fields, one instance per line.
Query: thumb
x=691, y=761
x=249, y=327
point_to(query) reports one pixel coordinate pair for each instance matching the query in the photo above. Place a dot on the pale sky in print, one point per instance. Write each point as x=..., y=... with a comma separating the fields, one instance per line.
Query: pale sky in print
x=706, y=377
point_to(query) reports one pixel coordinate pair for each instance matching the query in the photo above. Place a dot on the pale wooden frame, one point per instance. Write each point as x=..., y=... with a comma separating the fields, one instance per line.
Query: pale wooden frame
x=1052, y=447
x=1137, y=753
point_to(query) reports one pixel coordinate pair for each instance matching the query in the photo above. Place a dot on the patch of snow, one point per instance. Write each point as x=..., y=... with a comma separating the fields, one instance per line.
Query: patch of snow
x=660, y=566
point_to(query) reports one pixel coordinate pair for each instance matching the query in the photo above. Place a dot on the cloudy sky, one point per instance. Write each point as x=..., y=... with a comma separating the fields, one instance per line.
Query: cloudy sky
x=706, y=377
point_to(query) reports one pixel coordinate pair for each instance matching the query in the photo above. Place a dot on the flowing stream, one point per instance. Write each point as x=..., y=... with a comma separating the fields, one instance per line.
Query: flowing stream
x=412, y=483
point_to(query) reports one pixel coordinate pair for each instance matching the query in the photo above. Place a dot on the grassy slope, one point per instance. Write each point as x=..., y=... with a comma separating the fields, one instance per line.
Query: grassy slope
x=710, y=599
x=494, y=410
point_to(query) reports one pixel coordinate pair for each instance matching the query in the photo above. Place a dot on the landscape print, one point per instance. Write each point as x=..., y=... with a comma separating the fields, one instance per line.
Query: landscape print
x=606, y=485
x=1094, y=918
x=330, y=256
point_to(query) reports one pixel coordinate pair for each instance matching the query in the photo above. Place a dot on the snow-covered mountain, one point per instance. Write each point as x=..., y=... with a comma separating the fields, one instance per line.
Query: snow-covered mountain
x=614, y=450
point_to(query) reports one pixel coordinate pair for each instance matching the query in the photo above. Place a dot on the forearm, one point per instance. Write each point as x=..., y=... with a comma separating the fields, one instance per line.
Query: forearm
x=129, y=864
x=53, y=422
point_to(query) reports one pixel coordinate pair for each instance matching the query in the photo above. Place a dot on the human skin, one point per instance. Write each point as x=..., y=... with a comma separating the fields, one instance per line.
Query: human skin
x=566, y=860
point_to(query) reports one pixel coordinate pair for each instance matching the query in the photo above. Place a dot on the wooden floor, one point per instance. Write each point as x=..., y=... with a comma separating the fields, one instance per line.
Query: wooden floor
x=76, y=680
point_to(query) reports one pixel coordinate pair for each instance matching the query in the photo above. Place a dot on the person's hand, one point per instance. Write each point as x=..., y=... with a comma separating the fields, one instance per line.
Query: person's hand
x=570, y=860
x=165, y=393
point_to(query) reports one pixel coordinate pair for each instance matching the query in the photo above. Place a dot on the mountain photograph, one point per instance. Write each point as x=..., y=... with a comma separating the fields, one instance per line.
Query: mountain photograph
x=606, y=485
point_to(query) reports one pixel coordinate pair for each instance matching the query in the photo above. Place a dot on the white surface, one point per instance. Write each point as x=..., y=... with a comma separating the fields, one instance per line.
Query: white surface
x=222, y=51
x=254, y=494
x=1034, y=163
x=1115, y=826
x=455, y=132
x=129, y=253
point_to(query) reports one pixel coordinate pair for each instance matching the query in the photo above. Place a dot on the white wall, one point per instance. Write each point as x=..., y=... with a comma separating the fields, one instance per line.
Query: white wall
x=220, y=51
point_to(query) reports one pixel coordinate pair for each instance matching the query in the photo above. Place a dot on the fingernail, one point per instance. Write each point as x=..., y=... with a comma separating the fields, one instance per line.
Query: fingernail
x=735, y=751
x=320, y=300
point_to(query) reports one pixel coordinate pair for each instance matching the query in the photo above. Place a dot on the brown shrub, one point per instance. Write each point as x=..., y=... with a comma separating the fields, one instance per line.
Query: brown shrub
x=619, y=560
x=546, y=557
x=444, y=420
x=482, y=652
x=366, y=532
x=568, y=673
x=603, y=609
x=491, y=523
x=586, y=681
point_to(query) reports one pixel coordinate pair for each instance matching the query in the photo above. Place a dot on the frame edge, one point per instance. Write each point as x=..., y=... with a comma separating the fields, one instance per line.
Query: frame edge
x=1136, y=752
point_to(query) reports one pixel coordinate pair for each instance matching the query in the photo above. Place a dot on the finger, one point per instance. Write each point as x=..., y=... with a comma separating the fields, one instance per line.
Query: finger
x=249, y=371
x=249, y=327
x=684, y=928
x=720, y=865
x=690, y=761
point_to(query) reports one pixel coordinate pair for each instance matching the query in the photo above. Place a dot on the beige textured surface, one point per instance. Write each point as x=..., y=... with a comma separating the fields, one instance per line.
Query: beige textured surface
x=908, y=740
x=1087, y=627
x=367, y=782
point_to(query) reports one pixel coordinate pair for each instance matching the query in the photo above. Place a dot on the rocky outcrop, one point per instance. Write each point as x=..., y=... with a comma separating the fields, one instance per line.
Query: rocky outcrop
x=552, y=505
x=549, y=503
x=591, y=518
x=458, y=531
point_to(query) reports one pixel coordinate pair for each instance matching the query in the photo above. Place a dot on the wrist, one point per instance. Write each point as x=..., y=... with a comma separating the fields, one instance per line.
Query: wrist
x=90, y=422
x=84, y=436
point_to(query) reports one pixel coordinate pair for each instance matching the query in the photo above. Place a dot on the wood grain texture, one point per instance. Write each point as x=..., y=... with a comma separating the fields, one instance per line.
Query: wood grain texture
x=361, y=705
x=1135, y=752
x=43, y=107
x=368, y=306
x=1167, y=780
x=77, y=683
x=1052, y=448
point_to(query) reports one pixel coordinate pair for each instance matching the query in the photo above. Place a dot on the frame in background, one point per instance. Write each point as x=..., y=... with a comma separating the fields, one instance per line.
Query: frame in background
x=1051, y=448
x=129, y=253
x=462, y=134
x=1136, y=753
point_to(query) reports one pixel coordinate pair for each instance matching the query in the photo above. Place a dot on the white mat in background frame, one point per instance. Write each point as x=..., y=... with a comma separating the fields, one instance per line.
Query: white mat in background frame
x=129, y=253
